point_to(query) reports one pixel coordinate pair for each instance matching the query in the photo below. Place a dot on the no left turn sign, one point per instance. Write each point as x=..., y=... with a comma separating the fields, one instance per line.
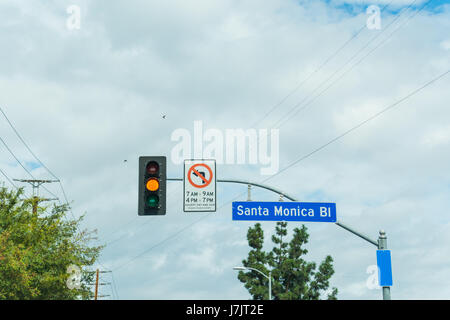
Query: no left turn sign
x=199, y=186
x=201, y=171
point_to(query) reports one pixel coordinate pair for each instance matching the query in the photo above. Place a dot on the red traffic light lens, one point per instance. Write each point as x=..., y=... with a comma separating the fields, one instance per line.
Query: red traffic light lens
x=152, y=167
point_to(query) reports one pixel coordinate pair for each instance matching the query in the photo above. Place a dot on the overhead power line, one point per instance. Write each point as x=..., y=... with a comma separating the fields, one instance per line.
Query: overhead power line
x=296, y=108
x=26, y=145
x=38, y=160
x=8, y=179
x=111, y=241
x=15, y=157
x=307, y=78
x=166, y=239
x=114, y=291
x=306, y=156
x=114, y=287
x=335, y=53
x=20, y=163
x=295, y=162
x=376, y=115
x=290, y=165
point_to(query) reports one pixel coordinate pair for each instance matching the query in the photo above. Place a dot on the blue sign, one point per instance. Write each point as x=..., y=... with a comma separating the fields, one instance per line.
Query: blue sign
x=384, y=268
x=284, y=211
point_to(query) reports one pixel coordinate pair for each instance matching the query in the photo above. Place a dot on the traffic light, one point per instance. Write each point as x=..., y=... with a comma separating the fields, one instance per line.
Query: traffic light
x=152, y=186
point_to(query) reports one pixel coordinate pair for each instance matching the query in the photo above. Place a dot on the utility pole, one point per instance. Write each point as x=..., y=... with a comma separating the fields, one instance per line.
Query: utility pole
x=35, y=183
x=97, y=283
x=96, y=286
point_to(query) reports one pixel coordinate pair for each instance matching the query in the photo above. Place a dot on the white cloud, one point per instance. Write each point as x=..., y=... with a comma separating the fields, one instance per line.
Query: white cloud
x=437, y=137
x=445, y=44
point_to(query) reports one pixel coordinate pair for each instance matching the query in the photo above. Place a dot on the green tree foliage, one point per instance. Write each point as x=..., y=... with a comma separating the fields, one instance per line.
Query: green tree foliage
x=293, y=278
x=37, y=249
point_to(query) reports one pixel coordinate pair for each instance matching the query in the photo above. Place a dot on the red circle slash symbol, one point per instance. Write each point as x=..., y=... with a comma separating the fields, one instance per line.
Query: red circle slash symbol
x=200, y=174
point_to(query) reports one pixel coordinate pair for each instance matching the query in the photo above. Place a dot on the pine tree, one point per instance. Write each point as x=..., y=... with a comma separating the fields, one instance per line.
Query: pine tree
x=293, y=278
x=254, y=281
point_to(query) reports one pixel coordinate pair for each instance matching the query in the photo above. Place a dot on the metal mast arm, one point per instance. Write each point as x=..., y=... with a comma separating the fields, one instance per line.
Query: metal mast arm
x=340, y=224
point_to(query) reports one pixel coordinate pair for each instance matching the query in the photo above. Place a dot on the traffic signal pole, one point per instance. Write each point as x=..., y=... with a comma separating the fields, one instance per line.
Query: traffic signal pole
x=380, y=244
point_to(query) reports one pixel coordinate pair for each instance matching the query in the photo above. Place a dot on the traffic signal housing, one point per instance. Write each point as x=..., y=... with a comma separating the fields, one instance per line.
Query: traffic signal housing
x=152, y=186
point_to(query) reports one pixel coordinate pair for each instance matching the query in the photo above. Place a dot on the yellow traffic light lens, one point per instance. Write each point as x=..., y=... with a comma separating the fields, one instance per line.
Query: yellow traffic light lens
x=152, y=184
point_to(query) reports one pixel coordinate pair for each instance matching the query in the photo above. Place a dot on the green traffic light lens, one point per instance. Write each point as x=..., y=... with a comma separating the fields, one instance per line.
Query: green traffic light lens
x=153, y=201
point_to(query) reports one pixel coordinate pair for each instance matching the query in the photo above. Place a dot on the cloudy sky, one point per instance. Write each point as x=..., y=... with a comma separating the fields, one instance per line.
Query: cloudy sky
x=87, y=99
